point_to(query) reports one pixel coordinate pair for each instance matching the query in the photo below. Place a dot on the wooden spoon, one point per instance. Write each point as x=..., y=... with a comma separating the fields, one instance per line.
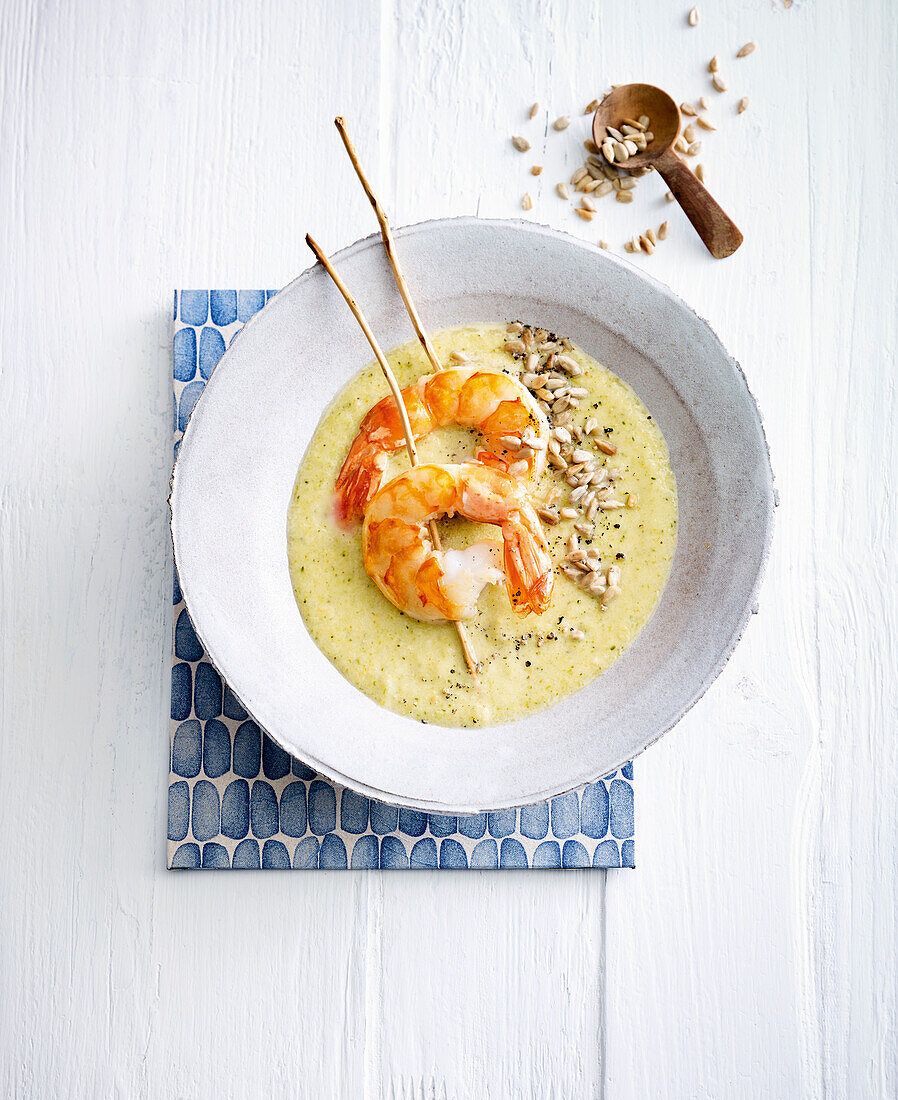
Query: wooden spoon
x=716, y=229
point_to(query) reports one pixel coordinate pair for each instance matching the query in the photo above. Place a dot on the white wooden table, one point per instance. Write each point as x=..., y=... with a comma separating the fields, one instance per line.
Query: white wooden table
x=752, y=953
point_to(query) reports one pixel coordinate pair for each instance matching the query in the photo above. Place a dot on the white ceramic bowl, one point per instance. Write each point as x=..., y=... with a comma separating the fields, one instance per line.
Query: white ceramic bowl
x=238, y=461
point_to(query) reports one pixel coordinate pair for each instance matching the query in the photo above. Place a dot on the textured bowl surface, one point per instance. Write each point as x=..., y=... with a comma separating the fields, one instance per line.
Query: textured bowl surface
x=239, y=457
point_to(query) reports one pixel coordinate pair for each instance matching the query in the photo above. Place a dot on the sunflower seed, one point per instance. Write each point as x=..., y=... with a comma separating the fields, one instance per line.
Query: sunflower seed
x=527, y=202
x=700, y=172
x=558, y=462
x=705, y=124
x=646, y=245
x=689, y=133
x=687, y=109
x=631, y=147
x=662, y=231
x=632, y=500
x=591, y=107
x=533, y=110
x=693, y=17
x=719, y=83
x=590, y=146
x=515, y=347
x=649, y=138
x=587, y=203
x=562, y=435
x=604, y=188
x=628, y=131
x=578, y=494
x=669, y=197
x=520, y=143
x=578, y=392
x=548, y=515
x=458, y=357
x=624, y=196
x=608, y=151
x=621, y=152
x=610, y=504
x=634, y=122
x=562, y=122
x=563, y=190
x=578, y=175
x=650, y=233
x=627, y=183
x=569, y=513
x=694, y=149
x=743, y=104
x=615, y=134
x=644, y=120
x=536, y=169
x=713, y=64
x=605, y=447
x=585, y=528
x=581, y=456
x=680, y=145
x=587, y=215
x=569, y=365
x=576, y=634
x=748, y=48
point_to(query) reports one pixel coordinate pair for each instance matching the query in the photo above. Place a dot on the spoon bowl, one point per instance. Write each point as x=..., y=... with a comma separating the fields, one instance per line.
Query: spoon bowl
x=631, y=101
x=628, y=101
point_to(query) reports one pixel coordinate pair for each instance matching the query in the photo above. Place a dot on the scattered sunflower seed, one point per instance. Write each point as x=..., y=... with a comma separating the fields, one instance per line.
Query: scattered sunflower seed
x=520, y=143
x=590, y=146
x=632, y=500
x=624, y=196
x=616, y=135
x=587, y=203
x=713, y=64
x=587, y=215
x=689, y=133
x=694, y=149
x=458, y=357
x=652, y=236
x=719, y=83
x=562, y=122
x=646, y=245
x=704, y=102
x=680, y=145
x=605, y=245
x=705, y=124
x=662, y=231
x=563, y=190
x=605, y=447
x=687, y=109
x=591, y=107
x=700, y=172
x=669, y=197
x=748, y=48
x=693, y=17
x=536, y=169
x=548, y=515
x=527, y=202
x=533, y=110
x=643, y=121
x=743, y=104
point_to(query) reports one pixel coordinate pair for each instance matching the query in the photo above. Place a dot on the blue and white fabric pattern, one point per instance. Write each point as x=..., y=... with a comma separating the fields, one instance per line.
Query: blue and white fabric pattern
x=238, y=800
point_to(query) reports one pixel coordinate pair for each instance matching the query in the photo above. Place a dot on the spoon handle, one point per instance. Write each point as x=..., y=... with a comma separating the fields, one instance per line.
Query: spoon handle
x=719, y=233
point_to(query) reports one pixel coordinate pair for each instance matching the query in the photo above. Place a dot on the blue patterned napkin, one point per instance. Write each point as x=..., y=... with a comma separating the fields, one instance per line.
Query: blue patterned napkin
x=237, y=800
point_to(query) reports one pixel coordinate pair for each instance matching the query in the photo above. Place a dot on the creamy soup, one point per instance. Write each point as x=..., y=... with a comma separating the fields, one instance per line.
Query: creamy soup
x=417, y=668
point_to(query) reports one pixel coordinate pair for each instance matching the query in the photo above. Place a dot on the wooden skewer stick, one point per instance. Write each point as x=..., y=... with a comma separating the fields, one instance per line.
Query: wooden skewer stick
x=390, y=247
x=470, y=658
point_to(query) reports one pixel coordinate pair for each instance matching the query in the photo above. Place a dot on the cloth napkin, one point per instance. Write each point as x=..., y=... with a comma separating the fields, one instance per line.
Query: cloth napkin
x=238, y=800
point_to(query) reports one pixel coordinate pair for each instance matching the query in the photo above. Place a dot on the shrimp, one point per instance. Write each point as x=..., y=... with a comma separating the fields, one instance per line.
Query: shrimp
x=500, y=407
x=434, y=585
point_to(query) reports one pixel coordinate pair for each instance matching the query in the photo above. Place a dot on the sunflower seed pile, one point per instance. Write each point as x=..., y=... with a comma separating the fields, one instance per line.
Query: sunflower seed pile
x=575, y=452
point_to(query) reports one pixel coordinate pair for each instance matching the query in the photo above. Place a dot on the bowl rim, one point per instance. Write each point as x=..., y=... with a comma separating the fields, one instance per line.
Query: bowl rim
x=739, y=623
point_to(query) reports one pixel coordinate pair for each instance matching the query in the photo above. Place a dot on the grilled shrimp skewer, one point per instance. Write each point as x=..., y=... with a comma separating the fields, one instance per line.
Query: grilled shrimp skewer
x=435, y=585
x=515, y=429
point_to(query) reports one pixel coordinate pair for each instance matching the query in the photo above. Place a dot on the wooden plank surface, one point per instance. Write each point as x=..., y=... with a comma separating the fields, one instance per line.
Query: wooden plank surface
x=752, y=953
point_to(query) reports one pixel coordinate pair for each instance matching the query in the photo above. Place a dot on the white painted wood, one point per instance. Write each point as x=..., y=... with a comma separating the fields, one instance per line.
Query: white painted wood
x=752, y=952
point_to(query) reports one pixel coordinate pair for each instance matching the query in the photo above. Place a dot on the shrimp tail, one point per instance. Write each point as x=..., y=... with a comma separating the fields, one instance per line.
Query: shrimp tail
x=529, y=577
x=358, y=481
